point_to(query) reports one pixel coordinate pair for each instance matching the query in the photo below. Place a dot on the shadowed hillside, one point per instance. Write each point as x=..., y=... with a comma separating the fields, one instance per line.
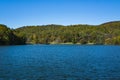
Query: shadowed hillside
x=7, y=36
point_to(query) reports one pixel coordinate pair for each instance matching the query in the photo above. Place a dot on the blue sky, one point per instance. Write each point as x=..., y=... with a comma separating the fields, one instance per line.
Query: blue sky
x=18, y=13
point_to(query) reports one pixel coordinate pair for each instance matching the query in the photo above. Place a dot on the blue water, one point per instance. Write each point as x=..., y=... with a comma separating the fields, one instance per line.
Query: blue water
x=59, y=62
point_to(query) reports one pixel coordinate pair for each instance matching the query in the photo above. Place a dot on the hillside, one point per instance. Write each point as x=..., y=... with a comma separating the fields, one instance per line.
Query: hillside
x=107, y=33
x=7, y=37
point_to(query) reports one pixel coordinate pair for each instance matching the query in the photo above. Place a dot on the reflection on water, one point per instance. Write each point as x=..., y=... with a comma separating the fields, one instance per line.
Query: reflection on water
x=59, y=62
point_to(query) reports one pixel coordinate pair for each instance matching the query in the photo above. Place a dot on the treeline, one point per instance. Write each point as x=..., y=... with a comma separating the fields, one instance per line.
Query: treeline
x=8, y=37
x=107, y=33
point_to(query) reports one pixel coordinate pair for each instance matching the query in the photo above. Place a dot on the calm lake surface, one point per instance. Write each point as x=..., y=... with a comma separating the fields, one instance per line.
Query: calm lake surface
x=59, y=62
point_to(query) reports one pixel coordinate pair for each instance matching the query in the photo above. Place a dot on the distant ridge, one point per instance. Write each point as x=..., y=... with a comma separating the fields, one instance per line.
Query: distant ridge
x=111, y=23
x=59, y=25
x=106, y=34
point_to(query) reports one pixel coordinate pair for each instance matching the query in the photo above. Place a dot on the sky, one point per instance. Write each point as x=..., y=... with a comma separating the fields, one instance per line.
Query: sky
x=18, y=13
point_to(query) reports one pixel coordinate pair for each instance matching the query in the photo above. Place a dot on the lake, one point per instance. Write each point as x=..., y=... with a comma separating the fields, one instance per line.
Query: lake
x=60, y=62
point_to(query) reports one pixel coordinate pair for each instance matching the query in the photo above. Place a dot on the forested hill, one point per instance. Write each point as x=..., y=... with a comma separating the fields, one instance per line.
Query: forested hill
x=7, y=36
x=107, y=33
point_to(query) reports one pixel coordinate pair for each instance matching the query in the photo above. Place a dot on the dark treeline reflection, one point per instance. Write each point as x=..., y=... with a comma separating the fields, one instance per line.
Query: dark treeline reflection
x=107, y=33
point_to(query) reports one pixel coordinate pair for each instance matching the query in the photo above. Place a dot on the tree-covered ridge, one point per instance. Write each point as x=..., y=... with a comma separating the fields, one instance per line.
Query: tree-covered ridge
x=107, y=33
x=7, y=37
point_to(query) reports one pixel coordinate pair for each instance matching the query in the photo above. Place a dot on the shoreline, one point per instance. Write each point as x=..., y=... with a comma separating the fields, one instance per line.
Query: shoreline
x=68, y=43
